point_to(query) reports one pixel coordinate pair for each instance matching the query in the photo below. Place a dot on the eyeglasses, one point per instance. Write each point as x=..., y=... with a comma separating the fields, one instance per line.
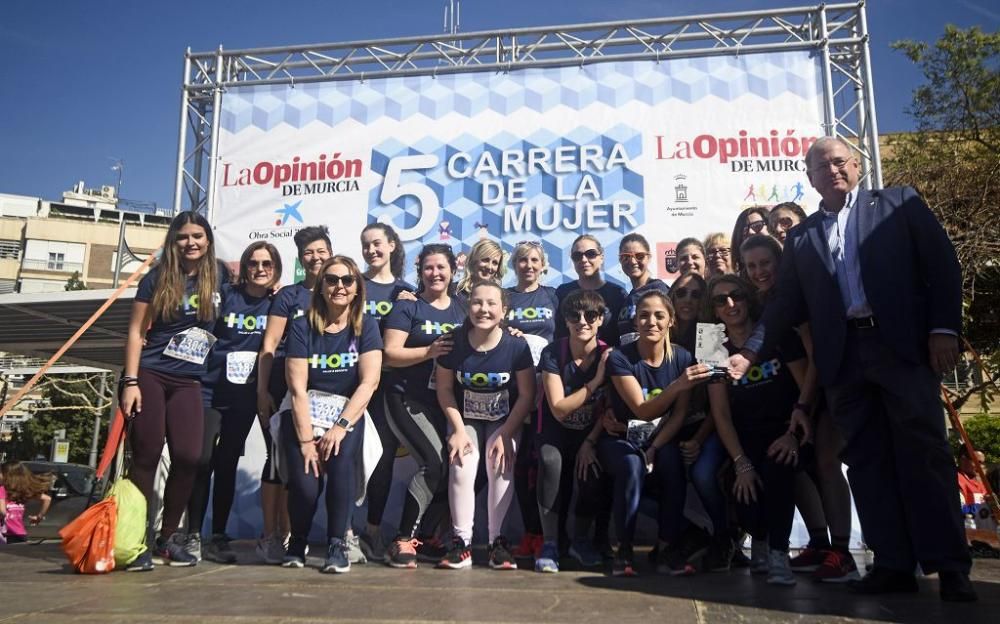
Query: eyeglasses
x=737, y=296
x=639, y=256
x=722, y=252
x=336, y=280
x=264, y=264
x=754, y=227
x=685, y=293
x=587, y=316
x=838, y=164
x=590, y=254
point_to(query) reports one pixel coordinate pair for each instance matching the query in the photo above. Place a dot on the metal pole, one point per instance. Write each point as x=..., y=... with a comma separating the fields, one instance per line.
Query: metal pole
x=92, y=461
x=182, y=138
x=121, y=248
x=866, y=70
x=828, y=111
x=213, y=156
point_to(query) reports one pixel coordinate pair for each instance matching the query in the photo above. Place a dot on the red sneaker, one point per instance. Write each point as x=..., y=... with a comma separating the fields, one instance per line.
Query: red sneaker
x=530, y=546
x=837, y=567
x=808, y=559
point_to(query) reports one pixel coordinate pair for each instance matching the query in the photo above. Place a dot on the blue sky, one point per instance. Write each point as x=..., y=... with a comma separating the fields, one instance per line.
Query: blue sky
x=85, y=82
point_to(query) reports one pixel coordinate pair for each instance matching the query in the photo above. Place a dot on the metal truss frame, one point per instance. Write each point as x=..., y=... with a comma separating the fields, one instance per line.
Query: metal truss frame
x=837, y=32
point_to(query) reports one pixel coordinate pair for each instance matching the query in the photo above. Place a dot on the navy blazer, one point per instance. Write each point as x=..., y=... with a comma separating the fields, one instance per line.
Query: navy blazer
x=909, y=269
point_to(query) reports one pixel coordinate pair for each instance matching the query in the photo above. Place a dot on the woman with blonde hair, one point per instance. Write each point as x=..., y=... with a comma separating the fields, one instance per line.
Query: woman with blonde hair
x=718, y=254
x=485, y=263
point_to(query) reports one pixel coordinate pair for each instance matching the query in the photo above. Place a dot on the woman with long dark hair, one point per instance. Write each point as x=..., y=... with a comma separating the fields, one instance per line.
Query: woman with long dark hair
x=751, y=221
x=166, y=354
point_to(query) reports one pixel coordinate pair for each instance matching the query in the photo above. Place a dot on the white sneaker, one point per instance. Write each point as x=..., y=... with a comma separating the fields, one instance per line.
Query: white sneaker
x=758, y=556
x=779, y=569
x=270, y=550
x=192, y=545
x=354, y=552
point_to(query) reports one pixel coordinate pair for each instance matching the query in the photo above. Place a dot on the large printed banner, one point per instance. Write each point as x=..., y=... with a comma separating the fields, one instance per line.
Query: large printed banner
x=668, y=149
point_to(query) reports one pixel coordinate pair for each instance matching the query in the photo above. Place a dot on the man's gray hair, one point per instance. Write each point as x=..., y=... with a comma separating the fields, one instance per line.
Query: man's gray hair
x=823, y=142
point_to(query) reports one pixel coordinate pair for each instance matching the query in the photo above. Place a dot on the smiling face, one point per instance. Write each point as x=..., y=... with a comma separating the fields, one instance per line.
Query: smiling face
x=313, y=256
x=487, y=266
x=634, y=258
x=718, y=253
x=833, y=170
x=192, y=243
x=529, y=267
x=376, y=248
x=761, y=266
x=691, y=260
x=730, y=304
x=686, y=294
x=587, y=258
x=340, y=287
x=435, y=273
x=260, y=269
x=486, y=308
x=653, y=320
x=584, y=324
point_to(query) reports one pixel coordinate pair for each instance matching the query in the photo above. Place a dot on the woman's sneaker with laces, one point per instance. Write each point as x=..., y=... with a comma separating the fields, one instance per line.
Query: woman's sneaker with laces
x=430, y=549
x=338, y=558
x=500, y=556
x=530, y=546
x=295, y=556
x=192, y=544
x=173, y=552
x=218, y=549
x=808, y=559
x=402, y=553
x=142, y=563
x=354, y=552
x=779, y=571
x=372, y=545
x=271, y=549
x=548, y=559
x=838, y=567
x=458, y=556
x=623, y=562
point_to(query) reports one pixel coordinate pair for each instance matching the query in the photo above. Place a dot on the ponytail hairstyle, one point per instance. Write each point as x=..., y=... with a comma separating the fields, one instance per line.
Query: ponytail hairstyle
x=668, y=348
x=504, y=302
x=397, y=258
x=483, y=248
x=171, y=279
x=244, y=274
x=319, y=311
x=633, y=237
x=431, y=250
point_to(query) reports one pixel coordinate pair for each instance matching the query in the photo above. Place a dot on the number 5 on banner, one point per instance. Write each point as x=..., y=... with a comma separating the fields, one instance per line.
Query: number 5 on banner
x=393, y=190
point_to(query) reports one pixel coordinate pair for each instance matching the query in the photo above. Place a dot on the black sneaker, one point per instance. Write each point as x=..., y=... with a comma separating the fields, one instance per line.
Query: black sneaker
x=338, y=559
x=673, y=561
x=173, y=551
x=458, y=556
x=622, y=564
x=431, y=550
x=219, y=550
x=402, y=553
x=719, y=555
x=295, y=556
x=142, y=563
x=501, y=558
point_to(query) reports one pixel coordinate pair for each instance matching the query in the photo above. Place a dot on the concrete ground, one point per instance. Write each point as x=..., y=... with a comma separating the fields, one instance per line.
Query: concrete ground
x=37, y=586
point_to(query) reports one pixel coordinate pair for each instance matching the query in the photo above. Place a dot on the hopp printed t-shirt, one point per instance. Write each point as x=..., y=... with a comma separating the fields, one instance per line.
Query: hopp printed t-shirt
x=240, y=332
x=573, y=378
x=379, y=298
x=486, y=381
x=423, y=324
x=626, y=362
x=332, y=359
x=162, y=331
x=534, y=313
x=762, y=400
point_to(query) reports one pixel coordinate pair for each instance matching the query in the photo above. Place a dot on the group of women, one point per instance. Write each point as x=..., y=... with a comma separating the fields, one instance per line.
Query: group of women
x=583, y=403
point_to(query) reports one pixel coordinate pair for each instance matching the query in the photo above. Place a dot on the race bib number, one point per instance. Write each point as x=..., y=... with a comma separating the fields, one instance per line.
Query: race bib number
x=432, y=383
x=536, y=344
x=239, y=366
x=581, y=418
x=191, y=345
x=630, y=337
x=640, y=432
x=325, y=408
x=489, y=406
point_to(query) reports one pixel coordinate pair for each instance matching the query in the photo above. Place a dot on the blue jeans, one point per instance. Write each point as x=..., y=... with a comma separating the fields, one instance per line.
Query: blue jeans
x=624, y=463
x=672, y=476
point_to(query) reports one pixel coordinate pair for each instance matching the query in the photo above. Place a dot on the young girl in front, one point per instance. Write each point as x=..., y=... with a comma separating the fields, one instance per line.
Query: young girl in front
x=19, y=486
x=485, y=386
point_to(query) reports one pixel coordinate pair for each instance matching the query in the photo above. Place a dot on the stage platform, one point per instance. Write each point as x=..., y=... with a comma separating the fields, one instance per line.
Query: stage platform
x=39, y=588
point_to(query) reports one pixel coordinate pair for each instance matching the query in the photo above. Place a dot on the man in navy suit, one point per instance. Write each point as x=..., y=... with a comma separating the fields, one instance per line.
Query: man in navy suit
x=877, y=278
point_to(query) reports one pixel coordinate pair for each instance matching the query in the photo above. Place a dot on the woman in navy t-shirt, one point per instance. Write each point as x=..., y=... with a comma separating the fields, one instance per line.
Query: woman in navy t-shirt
x=634, y=256
x=417, y=332
x=649, y=398
x=384, y=254
x=587, y=255
x=334, y=359
x=227, y=390
x=485, y=386
x=166, y=353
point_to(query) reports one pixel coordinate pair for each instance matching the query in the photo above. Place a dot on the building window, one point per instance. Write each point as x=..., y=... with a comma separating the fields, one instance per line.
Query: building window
x=56, y=261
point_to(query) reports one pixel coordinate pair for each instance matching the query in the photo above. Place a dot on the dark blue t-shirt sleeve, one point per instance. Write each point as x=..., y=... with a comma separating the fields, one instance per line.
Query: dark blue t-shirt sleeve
x=144, y=293
x=371, y=337
x=549, y=361
x=683, y=357
x=618, y=365
x=297, y=345
x=281, y=306
x=453, y=359
x=401, y=316
x=791, y=348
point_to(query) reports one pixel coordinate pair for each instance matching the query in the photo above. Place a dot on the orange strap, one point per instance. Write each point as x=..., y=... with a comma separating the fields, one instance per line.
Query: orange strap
x=991, y=497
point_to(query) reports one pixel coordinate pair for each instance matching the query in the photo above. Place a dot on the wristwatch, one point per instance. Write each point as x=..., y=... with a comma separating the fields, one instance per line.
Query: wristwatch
x=343, y=422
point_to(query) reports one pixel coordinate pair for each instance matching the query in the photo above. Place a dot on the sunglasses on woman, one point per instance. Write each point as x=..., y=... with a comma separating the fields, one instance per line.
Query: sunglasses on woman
x=263, y=264
x=590, y=254
x=639, y=257
x=737, y=296
x=754, y=227
x=685, y=293
x=587, y=316
x=336, y=280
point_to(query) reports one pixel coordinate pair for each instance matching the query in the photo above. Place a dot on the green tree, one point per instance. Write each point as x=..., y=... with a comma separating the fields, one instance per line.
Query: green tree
x=984, y=433
x=75, y=282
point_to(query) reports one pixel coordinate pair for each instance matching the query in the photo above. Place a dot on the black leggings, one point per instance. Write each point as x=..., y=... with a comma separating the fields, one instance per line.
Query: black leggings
x=304, y=488
x=772, y=514
x=422, y=428
x=198, y=503
x=381, y=480
x=556, y=477
x=171, y=408
x=526, y=478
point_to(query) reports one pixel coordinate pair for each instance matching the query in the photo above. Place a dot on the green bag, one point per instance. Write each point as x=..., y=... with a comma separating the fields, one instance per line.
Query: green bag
x=130, y=532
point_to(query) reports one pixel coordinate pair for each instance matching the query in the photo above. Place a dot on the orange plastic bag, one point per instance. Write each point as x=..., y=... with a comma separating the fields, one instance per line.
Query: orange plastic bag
x=89, y=540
